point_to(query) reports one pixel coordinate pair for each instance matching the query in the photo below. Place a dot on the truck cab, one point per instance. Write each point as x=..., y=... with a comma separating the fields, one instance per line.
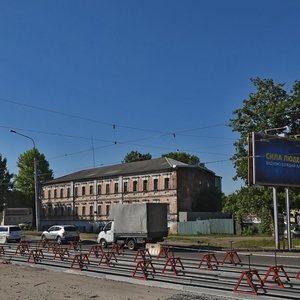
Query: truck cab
x=106, y=235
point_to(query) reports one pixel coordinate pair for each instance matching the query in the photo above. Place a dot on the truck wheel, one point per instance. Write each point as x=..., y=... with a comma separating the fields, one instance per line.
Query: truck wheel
x=131, y=244
x=103, y=243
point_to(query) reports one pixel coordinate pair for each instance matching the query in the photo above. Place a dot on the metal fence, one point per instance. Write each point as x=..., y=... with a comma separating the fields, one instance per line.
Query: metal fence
x=210, y=226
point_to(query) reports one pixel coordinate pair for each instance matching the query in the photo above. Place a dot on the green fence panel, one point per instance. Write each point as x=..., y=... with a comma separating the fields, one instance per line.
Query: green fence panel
x=222, y=226
x=225, y=226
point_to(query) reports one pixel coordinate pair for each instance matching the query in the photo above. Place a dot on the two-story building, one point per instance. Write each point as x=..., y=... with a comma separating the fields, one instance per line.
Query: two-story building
x=85, y=198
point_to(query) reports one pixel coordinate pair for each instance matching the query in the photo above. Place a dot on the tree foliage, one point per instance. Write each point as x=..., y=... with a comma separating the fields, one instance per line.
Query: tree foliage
x=136, y=156
x=24, y=180
x=270, y=107
x=6, y=183
x=251, y=200
x=183, y=157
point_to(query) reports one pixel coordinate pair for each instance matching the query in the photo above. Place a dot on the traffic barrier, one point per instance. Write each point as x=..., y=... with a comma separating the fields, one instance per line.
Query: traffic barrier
x=143, y=253
x=248, y=275
x=276, y=271
x=22, y=248
x=107, y=257
x=143, y=266
x=154, y=249
x=35, y=255
x=62, y=252
x=166, y=252
x=76, y=246
x=208, y=259
x=52, y=245
x=232, y=255
x=95, y=250
x=117, y=248
x=43, y=243
x=82, y=260
x=172, y=262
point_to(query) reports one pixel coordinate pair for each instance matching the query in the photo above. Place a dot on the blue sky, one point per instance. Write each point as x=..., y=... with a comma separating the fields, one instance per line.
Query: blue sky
x=90, y=81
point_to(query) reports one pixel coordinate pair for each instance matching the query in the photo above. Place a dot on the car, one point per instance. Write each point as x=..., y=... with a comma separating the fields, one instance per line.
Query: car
x=11, y=233
x=61, y=233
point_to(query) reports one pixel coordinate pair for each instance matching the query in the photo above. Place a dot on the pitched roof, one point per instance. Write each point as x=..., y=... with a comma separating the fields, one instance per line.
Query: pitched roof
x=138, y=167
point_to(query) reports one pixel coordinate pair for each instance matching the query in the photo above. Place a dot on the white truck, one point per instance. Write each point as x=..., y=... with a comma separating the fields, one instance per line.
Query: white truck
x=135, y=224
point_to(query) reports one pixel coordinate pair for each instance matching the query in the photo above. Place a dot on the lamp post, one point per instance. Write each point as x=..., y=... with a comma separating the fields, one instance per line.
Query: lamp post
x=35, y=180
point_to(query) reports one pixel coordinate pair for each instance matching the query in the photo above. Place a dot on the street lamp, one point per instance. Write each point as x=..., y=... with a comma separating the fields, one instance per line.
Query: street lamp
x=35, y=180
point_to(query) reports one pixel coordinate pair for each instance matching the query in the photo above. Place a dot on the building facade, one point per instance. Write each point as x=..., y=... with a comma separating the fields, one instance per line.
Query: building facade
x=86, y=198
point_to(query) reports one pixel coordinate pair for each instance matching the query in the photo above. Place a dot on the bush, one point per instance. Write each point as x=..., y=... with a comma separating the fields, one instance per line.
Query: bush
x=251, y=230
x=25, y=226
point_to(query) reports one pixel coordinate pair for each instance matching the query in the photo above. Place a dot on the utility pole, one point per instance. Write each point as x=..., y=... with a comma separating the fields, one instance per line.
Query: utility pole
x=36, y=196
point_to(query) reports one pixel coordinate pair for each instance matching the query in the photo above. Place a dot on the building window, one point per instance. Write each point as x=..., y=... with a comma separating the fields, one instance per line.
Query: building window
x=107, y=210
x=55, y=193
x=83, y=190
x=116, y=187
x=76, y=210
x=55, y=211
x=167, y=183
x=69, y=211
x=76, y=191
x=61, y=193
x=83, y=210
x=125, y=187
x=91, y=190
x=99, y=189
x=49, y=194
x=91, y=210
x=107, y=189
x=49, y=210
x=155, y=184
x=99, y=209
x=61, y=210
x=135, y=185
x=68, y=192
x=145, y=185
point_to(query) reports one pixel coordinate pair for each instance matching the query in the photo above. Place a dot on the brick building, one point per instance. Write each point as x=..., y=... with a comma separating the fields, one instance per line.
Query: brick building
x=85, y=198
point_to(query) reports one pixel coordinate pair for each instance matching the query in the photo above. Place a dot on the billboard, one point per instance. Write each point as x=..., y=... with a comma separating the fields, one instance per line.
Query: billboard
x=274, y=160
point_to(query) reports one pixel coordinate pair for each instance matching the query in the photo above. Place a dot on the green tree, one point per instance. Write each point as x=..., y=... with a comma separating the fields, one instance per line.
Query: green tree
x=271, y=106
x=6, y=183
x=183, y=157
x=24, y=180
x=136, y=156
x=251, y=200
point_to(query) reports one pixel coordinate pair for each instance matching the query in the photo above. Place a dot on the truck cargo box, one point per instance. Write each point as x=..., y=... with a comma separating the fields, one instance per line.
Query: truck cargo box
x=146, y=219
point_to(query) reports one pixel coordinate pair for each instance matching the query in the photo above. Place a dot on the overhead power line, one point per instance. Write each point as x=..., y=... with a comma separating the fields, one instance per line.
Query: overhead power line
x=110, y=124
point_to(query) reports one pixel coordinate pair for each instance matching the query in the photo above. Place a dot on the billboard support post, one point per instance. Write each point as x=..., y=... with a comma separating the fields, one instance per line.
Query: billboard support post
x=287, y=208
x=276, y=236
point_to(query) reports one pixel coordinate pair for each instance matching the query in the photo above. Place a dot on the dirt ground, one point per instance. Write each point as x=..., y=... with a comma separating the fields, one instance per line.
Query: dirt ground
x=25, y=282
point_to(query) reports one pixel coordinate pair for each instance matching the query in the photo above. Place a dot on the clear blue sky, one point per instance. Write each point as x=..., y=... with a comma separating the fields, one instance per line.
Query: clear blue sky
x=167, y=74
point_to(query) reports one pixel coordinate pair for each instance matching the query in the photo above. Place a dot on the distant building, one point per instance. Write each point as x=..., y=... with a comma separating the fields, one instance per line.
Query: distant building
x=85, y=198
x=15, y=216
